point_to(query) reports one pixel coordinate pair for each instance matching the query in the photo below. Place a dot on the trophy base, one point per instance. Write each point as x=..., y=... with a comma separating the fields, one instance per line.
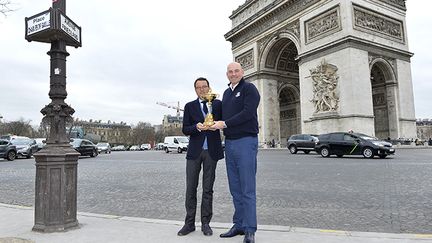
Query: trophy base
x=208, y=123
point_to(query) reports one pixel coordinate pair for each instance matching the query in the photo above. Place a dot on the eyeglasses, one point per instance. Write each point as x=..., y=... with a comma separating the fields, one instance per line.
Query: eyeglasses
x=202, y=87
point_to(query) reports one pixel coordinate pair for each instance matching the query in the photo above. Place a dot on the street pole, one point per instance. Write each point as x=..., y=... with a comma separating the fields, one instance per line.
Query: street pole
x=56, y=163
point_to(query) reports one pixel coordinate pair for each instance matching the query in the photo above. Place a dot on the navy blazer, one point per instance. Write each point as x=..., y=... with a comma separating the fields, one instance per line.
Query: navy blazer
x=192, y=116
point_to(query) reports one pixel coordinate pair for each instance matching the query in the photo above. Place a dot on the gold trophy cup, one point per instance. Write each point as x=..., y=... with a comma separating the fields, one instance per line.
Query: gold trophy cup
x=209, y=97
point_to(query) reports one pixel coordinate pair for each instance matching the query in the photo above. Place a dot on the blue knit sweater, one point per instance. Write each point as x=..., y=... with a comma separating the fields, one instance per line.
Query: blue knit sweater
x=239, y=110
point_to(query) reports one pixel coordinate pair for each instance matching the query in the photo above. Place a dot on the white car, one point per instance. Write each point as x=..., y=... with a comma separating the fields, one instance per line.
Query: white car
x=145, y=146
x=104, y=148
x=134, y=148
x=118, y=148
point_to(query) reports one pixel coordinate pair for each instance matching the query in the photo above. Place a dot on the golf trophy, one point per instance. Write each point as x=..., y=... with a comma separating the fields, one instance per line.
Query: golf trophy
x=209, y=97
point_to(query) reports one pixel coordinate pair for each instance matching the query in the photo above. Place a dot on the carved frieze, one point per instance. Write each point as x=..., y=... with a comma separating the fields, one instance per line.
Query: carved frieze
x=288, y=114
x=246, y=59
x=379, y=99
x=378, y=24
x=244, y=12
x=323, y=25
x=277, y=16
x=397, y=3
x=324, y=84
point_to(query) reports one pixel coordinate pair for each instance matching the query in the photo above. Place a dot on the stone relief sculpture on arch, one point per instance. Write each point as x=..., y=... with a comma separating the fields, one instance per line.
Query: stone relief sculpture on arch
x=325, y=81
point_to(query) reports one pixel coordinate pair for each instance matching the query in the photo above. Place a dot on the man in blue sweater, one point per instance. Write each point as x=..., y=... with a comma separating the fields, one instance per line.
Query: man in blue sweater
x=240, y=125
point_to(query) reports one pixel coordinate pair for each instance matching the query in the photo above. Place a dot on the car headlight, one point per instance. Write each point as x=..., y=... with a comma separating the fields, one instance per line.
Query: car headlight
x=378, y=144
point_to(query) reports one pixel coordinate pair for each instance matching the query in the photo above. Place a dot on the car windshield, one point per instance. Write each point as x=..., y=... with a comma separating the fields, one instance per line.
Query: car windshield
x=366, y=137
x=76, y=143
x=183, y=140
x=19, y=141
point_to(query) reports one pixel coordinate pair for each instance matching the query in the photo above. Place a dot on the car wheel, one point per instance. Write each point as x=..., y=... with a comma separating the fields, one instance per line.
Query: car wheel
x=325, y=152
x=383, y=156
x=29, y=155
x=293, y=149
x=306, y=151
x=166, y=150
x=11, y=155
x=368, y=153
x=94, y=153
x=179, y=150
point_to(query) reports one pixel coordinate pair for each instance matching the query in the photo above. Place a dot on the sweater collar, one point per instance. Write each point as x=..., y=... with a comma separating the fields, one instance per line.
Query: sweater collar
x=238, y=84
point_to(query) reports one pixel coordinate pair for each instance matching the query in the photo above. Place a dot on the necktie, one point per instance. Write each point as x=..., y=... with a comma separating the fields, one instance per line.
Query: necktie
x=205, y=109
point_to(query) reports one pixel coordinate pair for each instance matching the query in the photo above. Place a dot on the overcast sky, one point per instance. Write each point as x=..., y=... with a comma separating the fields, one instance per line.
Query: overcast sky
x=137, y=54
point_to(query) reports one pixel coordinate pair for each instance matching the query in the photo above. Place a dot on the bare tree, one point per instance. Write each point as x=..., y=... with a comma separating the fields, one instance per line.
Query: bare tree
x=142, y=133
x=20, y=128
x=5, y=7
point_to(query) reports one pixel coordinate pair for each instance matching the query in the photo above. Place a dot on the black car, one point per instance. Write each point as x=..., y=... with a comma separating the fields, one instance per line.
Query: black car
x=302, y=142
x=7, y=150
x=84, y=147
x=342, y=143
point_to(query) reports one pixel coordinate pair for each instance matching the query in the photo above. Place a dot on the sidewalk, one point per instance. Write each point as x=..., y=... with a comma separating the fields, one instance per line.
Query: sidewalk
x=16, y=223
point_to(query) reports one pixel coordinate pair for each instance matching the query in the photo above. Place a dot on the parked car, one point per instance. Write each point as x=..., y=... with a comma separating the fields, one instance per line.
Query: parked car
x=7, y=150
x=84, y=147
x=25, y=146
x=176, y=143
x=159, y=146
x=145, y=146
x=118, y=148
x=104, y=148
x=302, y=142
x=41, y=142
x=341, y=143
x=134, y=148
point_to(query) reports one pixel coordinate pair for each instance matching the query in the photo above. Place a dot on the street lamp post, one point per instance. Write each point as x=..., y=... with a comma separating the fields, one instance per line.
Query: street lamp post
x=57, y=163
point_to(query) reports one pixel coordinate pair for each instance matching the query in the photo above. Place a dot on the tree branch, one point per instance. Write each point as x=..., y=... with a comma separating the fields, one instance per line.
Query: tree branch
x=4, y=7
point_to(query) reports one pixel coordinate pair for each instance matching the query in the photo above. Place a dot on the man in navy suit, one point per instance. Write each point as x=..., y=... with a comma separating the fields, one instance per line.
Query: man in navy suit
x=205, y=148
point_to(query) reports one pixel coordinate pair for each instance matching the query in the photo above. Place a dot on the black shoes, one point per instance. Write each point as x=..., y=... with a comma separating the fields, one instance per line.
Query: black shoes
x=207, y=231
x=249, y=237
x=186, y=230
x=232, y=232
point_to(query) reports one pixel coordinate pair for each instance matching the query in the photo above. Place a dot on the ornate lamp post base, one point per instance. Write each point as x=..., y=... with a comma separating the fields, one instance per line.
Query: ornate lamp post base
x=56, y=188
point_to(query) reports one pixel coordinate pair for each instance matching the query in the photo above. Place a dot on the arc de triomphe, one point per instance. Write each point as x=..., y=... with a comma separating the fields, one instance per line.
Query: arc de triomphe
x=327, y=65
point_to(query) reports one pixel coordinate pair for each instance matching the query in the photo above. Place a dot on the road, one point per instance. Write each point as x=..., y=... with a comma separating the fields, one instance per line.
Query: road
x=351, y=193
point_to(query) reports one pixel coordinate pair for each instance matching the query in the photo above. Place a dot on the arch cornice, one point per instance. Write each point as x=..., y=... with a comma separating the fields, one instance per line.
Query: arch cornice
x=266, y=19
x=271, y=75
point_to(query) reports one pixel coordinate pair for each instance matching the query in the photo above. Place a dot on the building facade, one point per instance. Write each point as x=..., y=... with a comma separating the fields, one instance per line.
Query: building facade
x=96, y=130
x=327, y=65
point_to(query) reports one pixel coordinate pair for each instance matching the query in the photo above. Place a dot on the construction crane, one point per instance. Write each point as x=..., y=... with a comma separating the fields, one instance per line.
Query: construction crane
x=172, y=107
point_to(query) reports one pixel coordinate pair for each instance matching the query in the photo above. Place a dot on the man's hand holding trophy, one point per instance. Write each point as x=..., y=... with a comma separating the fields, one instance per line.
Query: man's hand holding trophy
x=209, y=121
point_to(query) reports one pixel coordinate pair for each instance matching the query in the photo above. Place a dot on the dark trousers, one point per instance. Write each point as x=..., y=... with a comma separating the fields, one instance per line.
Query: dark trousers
x=193, y=168
x=241, y=165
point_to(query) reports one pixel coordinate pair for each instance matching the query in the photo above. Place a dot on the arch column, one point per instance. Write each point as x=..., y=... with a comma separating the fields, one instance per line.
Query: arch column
x=268, y=110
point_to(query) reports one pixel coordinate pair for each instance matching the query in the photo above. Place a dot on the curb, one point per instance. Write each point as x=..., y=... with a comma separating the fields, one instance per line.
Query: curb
x=266, y=228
